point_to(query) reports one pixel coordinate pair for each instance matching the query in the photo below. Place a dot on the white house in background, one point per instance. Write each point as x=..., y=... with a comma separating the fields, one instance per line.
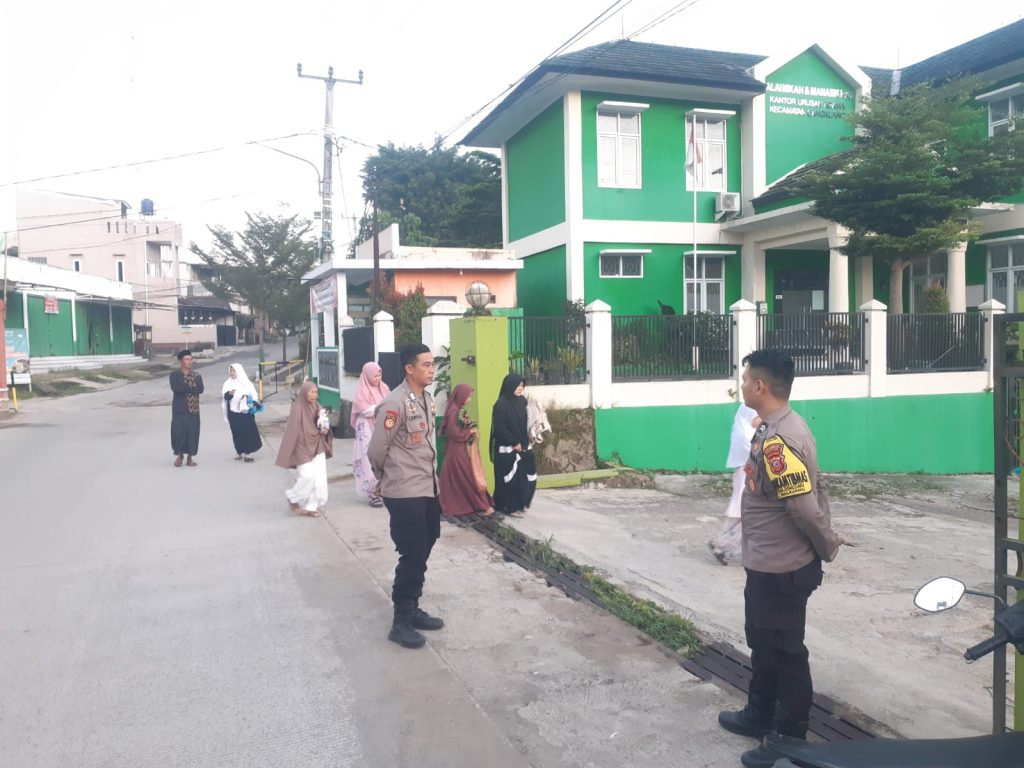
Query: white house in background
x=102, y=237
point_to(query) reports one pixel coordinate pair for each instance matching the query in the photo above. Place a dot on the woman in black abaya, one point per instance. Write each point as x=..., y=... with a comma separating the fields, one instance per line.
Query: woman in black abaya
x=515, y=471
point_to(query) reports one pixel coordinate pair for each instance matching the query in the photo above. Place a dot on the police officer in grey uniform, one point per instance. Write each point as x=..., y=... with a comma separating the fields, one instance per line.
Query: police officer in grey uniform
x=787, y=532
x=403, y=457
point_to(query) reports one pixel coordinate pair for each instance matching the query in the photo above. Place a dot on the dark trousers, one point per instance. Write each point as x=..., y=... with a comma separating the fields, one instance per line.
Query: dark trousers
x=415, y=526
x=776, y=615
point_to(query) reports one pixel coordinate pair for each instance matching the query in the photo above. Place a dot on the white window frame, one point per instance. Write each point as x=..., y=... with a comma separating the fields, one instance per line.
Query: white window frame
x=696, y=168
x=1013, y=96
x=928, y=279
x=619, y=110
x=119, y=269
x=76, y=262
x=1012, y=247
x=621, y=252
x=700, y=282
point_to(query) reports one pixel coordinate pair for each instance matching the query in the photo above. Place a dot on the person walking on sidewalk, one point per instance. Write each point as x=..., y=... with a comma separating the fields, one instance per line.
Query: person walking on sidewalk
x=726, y=545
x=238, y=400
x=462, y=482
x=787, y=532
x=404, y=458
x=370, y=392
x=187, y=386
x=305, y=447
x=515, y=468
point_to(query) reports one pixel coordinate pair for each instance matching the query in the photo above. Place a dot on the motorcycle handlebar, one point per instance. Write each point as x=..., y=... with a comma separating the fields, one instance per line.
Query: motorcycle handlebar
x=985, y=647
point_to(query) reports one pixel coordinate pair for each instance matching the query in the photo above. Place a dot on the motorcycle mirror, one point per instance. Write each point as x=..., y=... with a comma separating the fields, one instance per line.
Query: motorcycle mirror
x=939, y=594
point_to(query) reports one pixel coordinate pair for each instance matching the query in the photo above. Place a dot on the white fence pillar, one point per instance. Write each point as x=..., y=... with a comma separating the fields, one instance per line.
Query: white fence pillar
x=744, y=338
x=314, y=341
x=956, y=278
x=838, y=270
x=599, y=354
x=383, y=333
x=989, y=310
x=435, y=325
x=876, y=322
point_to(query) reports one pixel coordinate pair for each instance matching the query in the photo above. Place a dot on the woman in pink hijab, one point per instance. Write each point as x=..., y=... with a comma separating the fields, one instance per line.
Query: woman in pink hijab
x=369, y=393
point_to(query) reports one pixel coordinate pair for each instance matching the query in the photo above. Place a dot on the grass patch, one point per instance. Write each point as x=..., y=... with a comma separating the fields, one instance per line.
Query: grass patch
x=719, y=486
x=658, y=623
x=58, y=387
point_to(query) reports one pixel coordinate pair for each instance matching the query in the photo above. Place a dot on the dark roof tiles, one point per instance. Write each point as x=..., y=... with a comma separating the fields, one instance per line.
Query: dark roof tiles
x=978, y=55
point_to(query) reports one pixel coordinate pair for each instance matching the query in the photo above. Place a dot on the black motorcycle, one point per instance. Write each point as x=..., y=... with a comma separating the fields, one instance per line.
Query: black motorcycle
x=1004, y=750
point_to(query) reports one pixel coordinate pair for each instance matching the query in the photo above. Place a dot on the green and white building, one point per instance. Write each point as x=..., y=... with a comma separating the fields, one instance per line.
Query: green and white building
x=640, y=176
x=636, y=173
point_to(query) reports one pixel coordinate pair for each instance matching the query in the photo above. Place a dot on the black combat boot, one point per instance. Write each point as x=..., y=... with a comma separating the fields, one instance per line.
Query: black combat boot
x=754, y=720
x=788, y=732
x=402, y=631
x=423, y=620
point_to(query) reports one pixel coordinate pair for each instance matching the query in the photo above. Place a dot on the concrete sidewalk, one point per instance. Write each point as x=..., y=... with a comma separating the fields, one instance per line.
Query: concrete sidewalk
x=870, y=647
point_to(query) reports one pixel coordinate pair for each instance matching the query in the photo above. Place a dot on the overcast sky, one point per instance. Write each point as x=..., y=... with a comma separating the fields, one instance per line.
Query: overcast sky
x=95, y=83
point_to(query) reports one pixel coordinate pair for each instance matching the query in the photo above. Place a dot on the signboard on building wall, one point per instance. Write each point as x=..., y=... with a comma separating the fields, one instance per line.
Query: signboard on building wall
x=16, y=355
x=51, y=305
x=327, y=360
x=324, y=295
x=806, y=103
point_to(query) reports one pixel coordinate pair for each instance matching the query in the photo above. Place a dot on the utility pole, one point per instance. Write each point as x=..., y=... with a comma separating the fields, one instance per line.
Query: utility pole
x=326, y=234
x=3, y=333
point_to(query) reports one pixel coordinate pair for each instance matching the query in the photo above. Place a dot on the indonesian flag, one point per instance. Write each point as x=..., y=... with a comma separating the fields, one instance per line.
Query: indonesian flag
x=693, y=156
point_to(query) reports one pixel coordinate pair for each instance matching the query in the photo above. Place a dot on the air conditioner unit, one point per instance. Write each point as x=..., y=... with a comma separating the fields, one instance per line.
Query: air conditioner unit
x=727, y=202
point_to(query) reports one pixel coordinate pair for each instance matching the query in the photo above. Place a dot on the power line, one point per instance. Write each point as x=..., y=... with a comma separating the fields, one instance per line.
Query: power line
x=673, y=11
x=179, y=156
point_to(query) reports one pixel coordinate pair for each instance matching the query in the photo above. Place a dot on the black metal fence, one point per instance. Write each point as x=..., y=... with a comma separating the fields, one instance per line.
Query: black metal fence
x=548, y=350
x=669, y=347
x=936, y=342
x=358, y=346
x=819, y=343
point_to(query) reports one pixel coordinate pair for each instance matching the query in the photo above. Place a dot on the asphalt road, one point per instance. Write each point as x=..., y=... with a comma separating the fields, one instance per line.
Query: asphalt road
x=154, y=616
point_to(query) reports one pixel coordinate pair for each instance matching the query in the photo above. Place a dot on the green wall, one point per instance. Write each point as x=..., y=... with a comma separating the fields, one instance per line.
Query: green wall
x=540, y=284
x=882, y=434
x=535, y=174
x=49, y=334
x=662, y=280
x=14, y=317
x=124, y=332
x=794, y=139
x=93, y=328
x=663, y=139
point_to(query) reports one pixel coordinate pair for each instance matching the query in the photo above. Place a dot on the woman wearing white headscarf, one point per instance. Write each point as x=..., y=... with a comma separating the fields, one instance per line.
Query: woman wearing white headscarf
x=726, y=544
x=239, y=398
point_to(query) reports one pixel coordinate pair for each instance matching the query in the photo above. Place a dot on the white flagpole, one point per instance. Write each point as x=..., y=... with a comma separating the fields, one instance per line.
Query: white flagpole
x=693, y=133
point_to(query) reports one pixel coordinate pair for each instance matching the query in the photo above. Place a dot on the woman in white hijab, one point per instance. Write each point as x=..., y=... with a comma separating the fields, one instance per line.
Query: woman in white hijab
x=726, y=545
x=239, y=402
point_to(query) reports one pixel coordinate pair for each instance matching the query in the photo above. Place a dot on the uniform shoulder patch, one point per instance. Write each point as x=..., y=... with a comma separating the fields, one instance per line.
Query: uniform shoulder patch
x=787, y=472
x=390, y=418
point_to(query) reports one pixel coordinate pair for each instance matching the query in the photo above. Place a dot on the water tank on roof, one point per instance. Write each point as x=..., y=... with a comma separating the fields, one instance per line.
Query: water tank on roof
x=147, y=207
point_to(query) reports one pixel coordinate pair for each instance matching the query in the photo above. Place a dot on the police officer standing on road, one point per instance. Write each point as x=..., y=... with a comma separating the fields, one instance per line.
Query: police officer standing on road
x=787, y=532
x=404, y=458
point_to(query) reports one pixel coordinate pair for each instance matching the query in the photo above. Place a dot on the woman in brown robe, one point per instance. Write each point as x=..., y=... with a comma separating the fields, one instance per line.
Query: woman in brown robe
x=305, y=448
x=463, y=489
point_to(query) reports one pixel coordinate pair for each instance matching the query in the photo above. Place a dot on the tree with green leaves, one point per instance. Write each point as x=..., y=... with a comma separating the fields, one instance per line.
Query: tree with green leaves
x=262, y=266
x=919, y=162
x=438, y=196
